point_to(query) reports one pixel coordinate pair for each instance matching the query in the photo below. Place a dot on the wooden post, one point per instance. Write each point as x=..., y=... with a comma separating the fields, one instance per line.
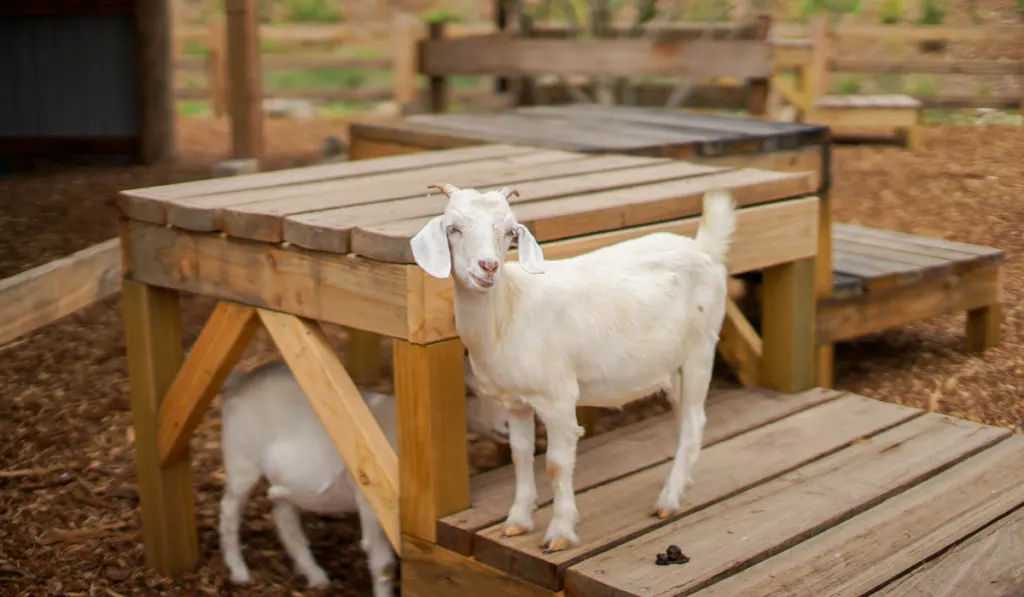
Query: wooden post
x=432, y=458
x=823, y=286
x=154, y=69
x=501, y=25
x=216, y=67
x=405, y=34
x=437, y=99
x=787, y=327
x=245, y=89
x=983, y=324
x=362, y=356
x=524, y=88
x=153, y=335
x=757, y=89
x=821, y=53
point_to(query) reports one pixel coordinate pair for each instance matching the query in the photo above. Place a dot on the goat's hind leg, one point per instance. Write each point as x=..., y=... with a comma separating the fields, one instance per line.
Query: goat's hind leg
x=522, y=440
x=690, y=395
x=241, y=477
x=289, y=530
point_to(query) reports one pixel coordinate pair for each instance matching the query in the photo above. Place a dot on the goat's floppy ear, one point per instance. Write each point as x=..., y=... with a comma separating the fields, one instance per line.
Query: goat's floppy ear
x=430, y=249
x=530, y=255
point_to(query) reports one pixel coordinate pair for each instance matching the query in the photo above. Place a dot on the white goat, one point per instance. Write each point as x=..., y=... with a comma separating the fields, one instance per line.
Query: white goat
x=600, y=329
x=270, y=430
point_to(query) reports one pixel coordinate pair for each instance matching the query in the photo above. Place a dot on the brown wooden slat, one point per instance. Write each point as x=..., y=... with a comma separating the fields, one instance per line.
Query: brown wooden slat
x=929, y=66
x=894, y=536
x=617, y=512
x=988, y=564
x=623, y=451
x=266, y=206
x=586, y=214
x=330, y=230
x=772, y=517
x=147, y=204
x=889, y=237
x=511, y=57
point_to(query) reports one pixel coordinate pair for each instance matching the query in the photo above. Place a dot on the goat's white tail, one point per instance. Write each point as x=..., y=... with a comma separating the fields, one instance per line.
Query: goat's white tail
x=717, y=225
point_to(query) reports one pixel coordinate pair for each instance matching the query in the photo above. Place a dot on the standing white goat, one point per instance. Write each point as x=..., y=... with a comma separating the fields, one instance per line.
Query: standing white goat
x=600, y=329
x=270, y=430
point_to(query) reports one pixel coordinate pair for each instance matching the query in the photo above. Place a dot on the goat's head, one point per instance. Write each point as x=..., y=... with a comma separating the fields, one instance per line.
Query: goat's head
x=472, y=237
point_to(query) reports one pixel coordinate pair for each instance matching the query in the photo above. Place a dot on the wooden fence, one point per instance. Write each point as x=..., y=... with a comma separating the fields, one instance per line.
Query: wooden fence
x=391, y=47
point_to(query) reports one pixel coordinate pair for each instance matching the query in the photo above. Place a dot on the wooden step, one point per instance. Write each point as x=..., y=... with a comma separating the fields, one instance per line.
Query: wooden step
x=793, y=494
x=887, y=102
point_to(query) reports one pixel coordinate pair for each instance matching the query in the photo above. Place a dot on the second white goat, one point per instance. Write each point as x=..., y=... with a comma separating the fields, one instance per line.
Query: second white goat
x=270, y=430
x=599, y=329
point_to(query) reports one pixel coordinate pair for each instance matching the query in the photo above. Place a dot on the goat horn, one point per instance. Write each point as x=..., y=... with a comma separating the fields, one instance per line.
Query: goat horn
x=507, y=192
x=447, y=189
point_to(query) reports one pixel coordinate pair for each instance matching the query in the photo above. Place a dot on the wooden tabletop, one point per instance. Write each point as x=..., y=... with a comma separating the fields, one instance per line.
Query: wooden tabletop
x=593, y=128
x=374, y=207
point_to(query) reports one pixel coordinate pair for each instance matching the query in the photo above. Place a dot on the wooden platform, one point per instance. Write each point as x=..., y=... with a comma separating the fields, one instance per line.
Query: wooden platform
x=900, y=113
x=812, y=494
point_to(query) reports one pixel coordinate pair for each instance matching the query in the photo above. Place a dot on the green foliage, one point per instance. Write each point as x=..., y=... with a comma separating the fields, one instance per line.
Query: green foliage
x=316, y=78
x=809, y=8
x=313, y=11
x=889, y=83
x=194, y=48
x=922, y=86
x=193, y=107
x=440, y=15
x=890, y=12
x=848, y=85
x=1020, y=7
x=932, y=13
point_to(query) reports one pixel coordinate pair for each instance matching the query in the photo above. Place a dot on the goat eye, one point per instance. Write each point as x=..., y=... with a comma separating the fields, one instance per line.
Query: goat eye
x=511, y=233
x=453, y=229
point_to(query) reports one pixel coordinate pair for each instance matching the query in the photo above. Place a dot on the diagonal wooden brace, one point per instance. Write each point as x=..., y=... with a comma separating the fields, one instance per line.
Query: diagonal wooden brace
x=740, y=345
x=348, y=420
x=217, y=350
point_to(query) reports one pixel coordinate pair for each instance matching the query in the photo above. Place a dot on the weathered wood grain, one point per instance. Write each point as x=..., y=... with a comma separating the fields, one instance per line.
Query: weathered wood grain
x=772, y=517
x=617, y=512
x=623, y=451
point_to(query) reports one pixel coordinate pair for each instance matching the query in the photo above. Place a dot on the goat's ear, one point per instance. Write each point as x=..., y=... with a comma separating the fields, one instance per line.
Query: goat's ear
x=530, y=255
x=430, y=249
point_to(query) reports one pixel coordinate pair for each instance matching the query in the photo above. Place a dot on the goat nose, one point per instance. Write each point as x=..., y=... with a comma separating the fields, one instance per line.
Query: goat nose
x=488, y=265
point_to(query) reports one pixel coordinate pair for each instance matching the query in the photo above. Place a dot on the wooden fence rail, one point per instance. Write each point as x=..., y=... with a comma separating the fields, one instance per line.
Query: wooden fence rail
x=397, y=42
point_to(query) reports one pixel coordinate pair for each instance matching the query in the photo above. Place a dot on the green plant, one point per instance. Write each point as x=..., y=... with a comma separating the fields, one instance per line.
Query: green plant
x=835, y=8
x=848, y=85
x=932, y=13
x=194, y=48
x=314, y=11
x=441, y=15
x=890, y=12
x=923, y=86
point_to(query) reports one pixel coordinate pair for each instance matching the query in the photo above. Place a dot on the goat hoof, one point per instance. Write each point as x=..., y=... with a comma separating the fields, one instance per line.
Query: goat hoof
x=240, y=578
x=664, y=513
x=559, y=544
x=514, y=530
x=318, y=580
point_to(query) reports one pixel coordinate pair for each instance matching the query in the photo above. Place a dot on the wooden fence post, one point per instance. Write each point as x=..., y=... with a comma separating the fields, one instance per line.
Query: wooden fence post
x=406, y=34
x=437, y=101
x=821, y=53
x=758, y=89
x=215, y=71
x=245, y=88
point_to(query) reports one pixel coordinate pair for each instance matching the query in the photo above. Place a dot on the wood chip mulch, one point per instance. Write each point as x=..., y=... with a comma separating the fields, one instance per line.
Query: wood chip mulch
x=68, y=501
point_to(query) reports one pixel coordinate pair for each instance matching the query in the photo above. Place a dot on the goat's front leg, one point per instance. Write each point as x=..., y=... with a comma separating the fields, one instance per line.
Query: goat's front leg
x=563, y=434
x=379, y=555
x=522, y=440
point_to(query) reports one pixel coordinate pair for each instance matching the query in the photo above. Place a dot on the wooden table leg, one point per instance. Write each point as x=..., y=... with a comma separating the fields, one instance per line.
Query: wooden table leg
x=432, y=458
x=825, y=353
x=787, y=326
x=166, y=496
x=362, y=356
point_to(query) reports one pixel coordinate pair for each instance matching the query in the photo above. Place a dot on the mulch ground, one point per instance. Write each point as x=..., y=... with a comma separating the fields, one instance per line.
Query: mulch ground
x=68, y=501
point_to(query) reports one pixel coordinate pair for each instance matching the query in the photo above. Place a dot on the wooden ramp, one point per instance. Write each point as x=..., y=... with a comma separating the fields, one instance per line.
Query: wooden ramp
x=819, y=493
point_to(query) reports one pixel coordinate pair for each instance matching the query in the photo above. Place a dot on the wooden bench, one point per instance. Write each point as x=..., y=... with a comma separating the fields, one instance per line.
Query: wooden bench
x=885, y=279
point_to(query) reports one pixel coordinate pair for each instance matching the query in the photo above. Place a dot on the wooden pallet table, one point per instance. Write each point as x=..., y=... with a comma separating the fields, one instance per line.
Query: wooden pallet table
x=816, y=493
x=715, y=140
x=330, y=243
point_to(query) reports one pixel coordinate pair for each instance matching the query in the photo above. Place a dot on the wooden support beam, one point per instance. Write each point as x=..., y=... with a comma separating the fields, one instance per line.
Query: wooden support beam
x=215, y=353
x=787, y=326
x=825, y=354
x=153, y=68
x=362, y=356
x=740, y=345
x=44, y=294
x=153, y=334
x=437, y=84
x=363, y=446
x=245, y=88
x=434, y=464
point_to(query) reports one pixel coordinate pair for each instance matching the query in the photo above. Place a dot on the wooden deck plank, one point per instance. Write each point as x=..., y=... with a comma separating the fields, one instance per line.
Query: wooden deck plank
x=620, y=511
x=866, y=551
x=204, y=213
x=330, y=230
x=623, y=451
x=772, y=517
x=668, y=132
x=147, y=204
x=597, y=212
x=988, y=564
x=925, y=245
